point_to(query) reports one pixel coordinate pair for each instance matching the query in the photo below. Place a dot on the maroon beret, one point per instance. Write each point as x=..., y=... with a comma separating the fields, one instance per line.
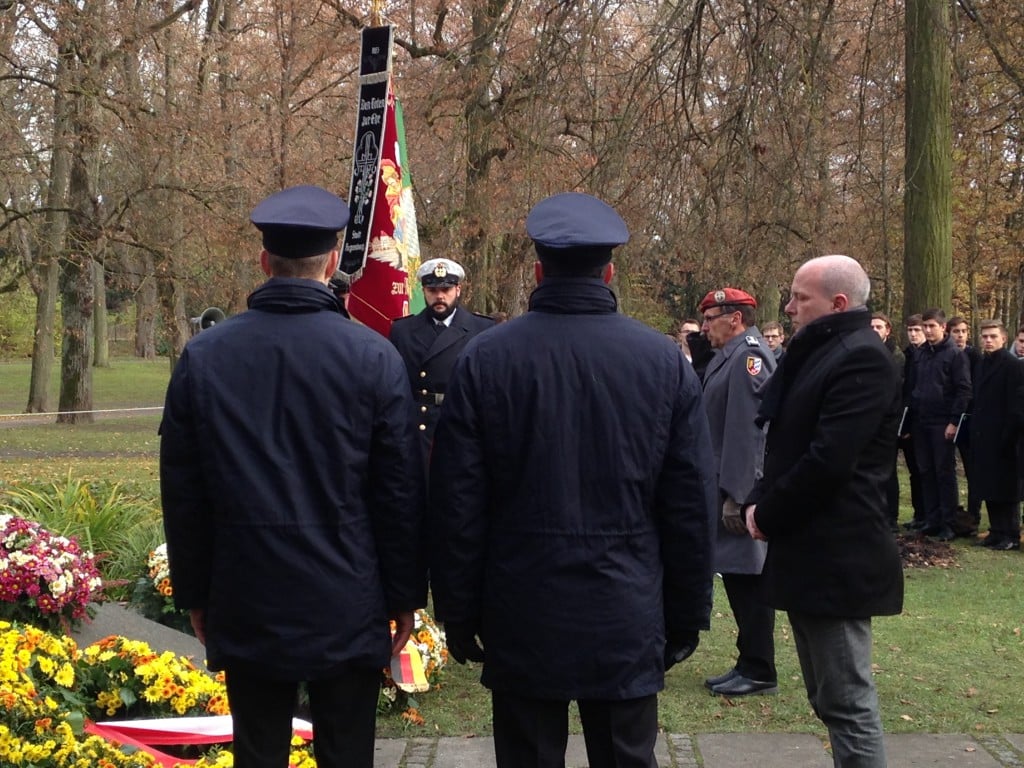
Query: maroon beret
x=726, y=296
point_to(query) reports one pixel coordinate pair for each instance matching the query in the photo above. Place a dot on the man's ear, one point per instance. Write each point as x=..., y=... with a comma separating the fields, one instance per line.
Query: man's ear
x=608, y=273
x=538, y=272
x=840, y=302
x=265, y=262
x=332, y=264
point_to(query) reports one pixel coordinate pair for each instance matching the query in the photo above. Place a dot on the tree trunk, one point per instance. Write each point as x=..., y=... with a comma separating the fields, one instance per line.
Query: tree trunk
x=46, y=272
x=77, y=294
x=172, y=300
x=43, y=351
x=928, y=213
x=145, y=311
x=75, y=372
x=101, y=345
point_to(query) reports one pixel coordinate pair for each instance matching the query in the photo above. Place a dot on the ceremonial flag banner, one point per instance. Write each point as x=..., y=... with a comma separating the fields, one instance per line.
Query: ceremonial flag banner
x=146, y=735
x=381, y=248
x=407, y=670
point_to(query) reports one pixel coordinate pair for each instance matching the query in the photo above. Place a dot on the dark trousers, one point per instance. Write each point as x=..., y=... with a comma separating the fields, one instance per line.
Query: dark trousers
x=533, y=733
x=756, y=624
x=915, y=479
x=343, y=709
x=963, y=447
x=1004, y=519
x=936, y=462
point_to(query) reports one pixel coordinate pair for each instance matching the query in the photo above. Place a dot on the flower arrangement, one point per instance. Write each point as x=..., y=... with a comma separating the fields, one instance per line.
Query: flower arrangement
x=49, y=687
x=40, y=719
x=153, y=595
x=154, y=598
x=430, y=643
x=123, y=677
x=300, y=756
x=45, y=579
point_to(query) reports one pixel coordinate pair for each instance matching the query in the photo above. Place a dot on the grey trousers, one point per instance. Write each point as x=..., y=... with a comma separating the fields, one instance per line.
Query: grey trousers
x=835, y=658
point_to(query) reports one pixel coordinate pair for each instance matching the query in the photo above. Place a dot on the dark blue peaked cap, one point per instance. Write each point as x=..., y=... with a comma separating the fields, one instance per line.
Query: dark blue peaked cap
x=575, y=220
x=300, y=221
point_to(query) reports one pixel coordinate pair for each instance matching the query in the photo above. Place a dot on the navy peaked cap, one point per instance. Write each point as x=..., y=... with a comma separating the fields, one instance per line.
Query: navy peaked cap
x=575, y=220
x=300, y=221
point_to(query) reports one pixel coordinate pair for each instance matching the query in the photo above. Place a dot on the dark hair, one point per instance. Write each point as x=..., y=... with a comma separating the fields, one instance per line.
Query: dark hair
x=772, y=325
x=913, y=320
x=957, y=320
x=578, y=261
x=934, y=313
x=992, y=324
x=882, y=316
x=568, y=269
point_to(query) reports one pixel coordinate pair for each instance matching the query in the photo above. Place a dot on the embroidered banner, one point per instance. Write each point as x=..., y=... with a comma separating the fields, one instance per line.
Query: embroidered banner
x=381, y=246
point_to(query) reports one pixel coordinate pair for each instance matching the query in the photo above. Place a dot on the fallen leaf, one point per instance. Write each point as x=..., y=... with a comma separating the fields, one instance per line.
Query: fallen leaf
x=991, y=711
x=908, y=718
x=970, y=749
x=971, y=692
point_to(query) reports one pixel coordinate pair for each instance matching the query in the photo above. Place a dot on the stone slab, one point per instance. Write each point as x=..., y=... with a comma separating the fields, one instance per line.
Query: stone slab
x=915, y=750
x=479, y=753
x=1016, y=740
x=114, y=619
x=765, y=750
x=388, y=753
x=464, y=752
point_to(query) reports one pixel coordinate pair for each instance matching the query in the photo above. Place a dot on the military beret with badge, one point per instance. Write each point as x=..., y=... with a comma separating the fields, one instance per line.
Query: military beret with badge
x=727, y=297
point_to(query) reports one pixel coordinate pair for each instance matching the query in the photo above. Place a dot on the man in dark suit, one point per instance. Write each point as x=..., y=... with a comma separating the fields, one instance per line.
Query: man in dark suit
x=571, y=501
x=995, y=424
x=430, y=341
x=832, y=407
x=293, y=529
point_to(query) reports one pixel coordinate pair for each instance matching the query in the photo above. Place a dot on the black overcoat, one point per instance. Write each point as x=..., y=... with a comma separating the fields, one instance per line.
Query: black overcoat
x=572, y=494
x=833, y=408
x=429, y=358
x=289, y=478
x=997, y=416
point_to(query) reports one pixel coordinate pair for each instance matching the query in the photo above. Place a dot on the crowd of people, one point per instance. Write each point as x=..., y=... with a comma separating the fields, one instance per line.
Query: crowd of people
x=568, y=514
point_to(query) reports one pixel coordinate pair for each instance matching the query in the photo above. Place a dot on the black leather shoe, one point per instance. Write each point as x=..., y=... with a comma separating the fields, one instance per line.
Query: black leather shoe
x=711, y=682
x=989, y=541
x=940, y=533
x=913, y=525
x=744, y=686
x=1006, y=545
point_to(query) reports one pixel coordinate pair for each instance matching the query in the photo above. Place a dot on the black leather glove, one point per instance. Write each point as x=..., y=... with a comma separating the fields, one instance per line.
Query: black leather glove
x=462, y=643
x=679, y=648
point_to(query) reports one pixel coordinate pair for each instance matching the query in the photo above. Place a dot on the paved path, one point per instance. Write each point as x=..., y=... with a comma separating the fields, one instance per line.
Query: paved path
x=727, y=750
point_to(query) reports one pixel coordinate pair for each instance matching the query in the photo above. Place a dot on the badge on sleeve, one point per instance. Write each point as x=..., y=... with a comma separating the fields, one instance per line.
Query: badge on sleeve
x=754, y=365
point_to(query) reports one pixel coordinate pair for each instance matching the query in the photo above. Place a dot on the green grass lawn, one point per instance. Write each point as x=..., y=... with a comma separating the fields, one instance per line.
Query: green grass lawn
x=953, y=662
x=119, y=447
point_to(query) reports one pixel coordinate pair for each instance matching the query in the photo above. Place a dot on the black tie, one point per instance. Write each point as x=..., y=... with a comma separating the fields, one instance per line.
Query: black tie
x=439, y=328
